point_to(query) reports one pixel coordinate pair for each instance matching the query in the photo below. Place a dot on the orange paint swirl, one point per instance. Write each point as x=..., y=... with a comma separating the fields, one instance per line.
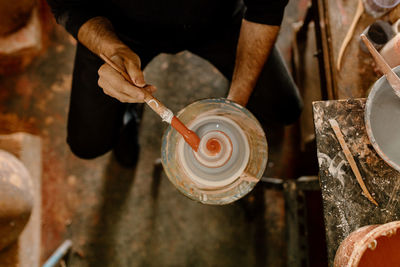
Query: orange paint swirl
x=213, y=146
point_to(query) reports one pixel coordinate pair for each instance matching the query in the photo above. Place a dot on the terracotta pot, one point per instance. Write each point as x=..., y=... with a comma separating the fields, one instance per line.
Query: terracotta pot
x=371, y=245
x=14, y=15
x=16, y=198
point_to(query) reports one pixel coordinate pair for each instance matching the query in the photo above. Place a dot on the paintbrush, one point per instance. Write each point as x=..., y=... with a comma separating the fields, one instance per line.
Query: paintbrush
x=391, y=77
x=166, y=114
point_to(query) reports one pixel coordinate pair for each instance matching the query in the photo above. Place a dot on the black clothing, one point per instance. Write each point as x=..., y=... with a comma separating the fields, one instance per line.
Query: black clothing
x=129, y=15
x=95, y=119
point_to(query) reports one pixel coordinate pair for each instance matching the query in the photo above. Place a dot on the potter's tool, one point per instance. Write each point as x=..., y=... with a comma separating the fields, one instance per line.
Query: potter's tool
x=392, y=78
x=350, y=159
x=166, y=114
x=232, y=153
x=350, y=32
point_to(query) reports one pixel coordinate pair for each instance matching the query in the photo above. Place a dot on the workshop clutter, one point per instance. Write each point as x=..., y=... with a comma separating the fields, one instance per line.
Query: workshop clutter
x=378, y=8
x=386, y=39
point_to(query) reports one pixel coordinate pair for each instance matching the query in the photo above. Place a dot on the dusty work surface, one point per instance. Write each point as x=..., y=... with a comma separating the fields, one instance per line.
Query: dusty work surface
x=345, y=207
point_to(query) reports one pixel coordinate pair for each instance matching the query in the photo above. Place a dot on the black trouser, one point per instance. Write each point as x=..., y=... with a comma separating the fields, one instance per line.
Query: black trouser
x=95, y=119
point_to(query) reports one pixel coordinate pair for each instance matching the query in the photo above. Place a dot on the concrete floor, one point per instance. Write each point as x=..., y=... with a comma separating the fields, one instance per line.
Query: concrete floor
x=122, y=217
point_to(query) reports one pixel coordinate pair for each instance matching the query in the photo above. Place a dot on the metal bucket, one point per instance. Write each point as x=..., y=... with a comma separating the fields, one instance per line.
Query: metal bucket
x=382, y=121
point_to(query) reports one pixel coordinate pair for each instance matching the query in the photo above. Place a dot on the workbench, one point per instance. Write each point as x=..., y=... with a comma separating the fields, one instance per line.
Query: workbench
x=345, y=207
x=356, y=74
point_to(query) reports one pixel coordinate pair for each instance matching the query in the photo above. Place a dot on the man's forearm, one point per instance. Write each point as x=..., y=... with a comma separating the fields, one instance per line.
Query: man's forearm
x=254, y=45
x=98, y=35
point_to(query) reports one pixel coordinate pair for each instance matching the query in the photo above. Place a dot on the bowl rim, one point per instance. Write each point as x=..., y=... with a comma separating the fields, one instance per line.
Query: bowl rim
x=367, y=120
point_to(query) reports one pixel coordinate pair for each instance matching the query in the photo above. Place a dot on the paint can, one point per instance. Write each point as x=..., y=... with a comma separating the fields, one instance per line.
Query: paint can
x=235, y=164
x=379, y=33
x=382, y=121
x=371, y=245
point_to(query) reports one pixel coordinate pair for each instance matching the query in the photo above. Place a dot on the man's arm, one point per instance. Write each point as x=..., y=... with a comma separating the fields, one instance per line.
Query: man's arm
x=254, y=45
x=98, y=35
x=258, y=33
x=83, y=20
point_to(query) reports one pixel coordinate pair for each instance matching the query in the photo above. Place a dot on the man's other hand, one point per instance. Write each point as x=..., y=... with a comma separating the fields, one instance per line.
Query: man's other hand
x=115, y=85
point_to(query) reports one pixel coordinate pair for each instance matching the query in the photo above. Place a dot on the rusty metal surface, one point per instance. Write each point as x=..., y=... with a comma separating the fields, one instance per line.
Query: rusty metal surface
x=345, y=207
x=356, y=74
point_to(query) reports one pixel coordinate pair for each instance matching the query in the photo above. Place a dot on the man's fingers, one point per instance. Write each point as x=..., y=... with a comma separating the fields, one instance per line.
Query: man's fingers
x=110, y=91
x=111, y=80
x=134, y=71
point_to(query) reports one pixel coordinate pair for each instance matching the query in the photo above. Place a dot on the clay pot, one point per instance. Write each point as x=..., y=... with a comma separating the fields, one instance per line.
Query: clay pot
x=14, y=15
x=371, y=245
x=16, y=198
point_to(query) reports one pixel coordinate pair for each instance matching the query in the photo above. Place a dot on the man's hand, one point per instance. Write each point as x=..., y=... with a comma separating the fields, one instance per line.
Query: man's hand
x=254, y=45
x=98, y=35
x=115, y=85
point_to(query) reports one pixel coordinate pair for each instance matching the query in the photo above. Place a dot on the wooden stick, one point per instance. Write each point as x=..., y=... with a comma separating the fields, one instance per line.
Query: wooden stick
x=335, y=126
x=165, y=113
x=350, y=32
x=392, y=78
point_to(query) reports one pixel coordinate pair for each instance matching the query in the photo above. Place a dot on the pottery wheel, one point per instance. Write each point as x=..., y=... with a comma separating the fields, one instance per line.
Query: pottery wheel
x=223, y=152
x=232, y=153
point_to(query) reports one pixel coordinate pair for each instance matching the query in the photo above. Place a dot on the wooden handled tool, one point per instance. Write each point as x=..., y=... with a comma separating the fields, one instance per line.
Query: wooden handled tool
x=392, y=78
x=335, y=126
x=350, y=32
x=166, y=114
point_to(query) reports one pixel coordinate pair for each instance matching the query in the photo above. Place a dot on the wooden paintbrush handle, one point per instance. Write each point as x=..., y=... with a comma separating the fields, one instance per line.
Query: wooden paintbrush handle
x=165, y=113
x=392, y=78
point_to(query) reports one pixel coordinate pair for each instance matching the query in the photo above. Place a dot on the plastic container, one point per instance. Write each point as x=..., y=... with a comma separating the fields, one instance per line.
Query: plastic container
x=378, y=8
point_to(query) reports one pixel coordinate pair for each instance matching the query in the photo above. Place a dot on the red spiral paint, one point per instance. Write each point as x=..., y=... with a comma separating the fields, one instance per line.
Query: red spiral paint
x=213, y=146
